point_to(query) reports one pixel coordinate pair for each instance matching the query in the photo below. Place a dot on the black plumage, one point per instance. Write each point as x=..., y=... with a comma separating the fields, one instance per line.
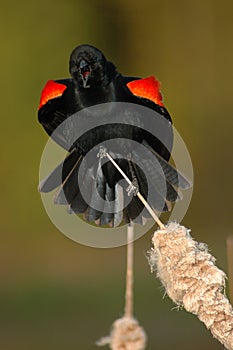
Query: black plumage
x=83, y=113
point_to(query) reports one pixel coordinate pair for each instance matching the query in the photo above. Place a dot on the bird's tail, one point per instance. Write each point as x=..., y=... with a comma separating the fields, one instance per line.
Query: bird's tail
x=98, y=190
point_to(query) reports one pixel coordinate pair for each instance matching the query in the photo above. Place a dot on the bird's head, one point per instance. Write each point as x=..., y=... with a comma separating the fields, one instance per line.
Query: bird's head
x=88, y=67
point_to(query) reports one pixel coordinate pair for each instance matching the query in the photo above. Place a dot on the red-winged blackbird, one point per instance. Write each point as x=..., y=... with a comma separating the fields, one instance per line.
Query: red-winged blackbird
x=93, y=94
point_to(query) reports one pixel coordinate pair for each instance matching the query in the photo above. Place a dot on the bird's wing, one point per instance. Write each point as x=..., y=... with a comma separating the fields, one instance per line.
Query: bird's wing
x=56, y=105
x=146, y=92
x=148, y=88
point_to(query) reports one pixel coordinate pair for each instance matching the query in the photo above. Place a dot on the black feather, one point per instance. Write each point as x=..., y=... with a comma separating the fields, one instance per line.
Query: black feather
x=95, y=187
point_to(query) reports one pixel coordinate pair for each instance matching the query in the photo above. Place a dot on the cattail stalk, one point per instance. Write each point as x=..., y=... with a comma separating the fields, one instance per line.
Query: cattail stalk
x=230, y=266
x=104, y=153
x=126, y=333
x=129, y=273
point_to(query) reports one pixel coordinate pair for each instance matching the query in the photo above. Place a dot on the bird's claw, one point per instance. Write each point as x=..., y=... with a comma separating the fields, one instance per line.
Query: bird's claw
x=132, y=188
x=102, y=152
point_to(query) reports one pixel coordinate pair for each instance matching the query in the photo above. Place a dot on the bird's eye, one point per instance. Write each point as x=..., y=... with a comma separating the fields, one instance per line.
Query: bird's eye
x=83, y=64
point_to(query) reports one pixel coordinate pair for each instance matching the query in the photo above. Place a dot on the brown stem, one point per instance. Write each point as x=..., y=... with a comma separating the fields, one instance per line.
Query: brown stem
x=142, y=199
x=230, y=266
x=129, y=273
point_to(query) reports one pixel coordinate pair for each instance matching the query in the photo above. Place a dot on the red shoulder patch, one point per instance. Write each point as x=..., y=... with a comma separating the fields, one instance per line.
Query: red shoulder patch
x=51, y=90
x=147, y=88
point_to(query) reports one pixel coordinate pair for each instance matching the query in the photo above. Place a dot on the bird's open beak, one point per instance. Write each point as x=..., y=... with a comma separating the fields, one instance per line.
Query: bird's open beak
x=85, y=71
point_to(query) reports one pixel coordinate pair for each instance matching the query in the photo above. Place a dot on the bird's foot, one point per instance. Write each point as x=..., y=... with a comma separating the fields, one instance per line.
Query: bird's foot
x=102, y=152
x=133, y=188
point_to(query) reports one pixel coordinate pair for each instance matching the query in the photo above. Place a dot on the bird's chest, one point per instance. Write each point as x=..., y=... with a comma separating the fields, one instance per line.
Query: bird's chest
x=102, y=118
x=95, y=95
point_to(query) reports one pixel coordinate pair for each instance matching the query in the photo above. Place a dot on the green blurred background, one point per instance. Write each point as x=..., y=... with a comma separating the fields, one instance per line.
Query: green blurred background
x=57, y=294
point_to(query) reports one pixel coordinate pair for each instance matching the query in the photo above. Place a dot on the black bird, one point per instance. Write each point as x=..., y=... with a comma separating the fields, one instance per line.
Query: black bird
x=84, y=112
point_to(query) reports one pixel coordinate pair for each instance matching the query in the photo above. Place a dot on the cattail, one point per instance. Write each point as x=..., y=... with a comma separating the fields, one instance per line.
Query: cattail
x=191, y=279
x=189, y=275
x=126, y=333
